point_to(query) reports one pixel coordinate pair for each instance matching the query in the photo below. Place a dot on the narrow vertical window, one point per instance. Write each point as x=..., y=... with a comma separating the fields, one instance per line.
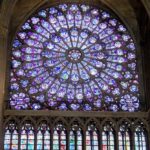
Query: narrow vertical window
x=72, y=140
x=56, y=140
x=11, y=137
x=27, y=137
x=91, y=138
x=124, y=138
x=140, y=138
x=75, y=138
x=108, y=138
x=43, y=138
x=79, y=140
x=59, y=138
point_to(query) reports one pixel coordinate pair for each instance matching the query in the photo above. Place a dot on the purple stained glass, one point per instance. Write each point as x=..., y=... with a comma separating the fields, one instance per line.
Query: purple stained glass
x=74, y=57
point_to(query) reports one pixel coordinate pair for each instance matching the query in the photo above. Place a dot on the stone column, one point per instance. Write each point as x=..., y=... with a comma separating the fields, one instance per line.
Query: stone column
x=3, y=33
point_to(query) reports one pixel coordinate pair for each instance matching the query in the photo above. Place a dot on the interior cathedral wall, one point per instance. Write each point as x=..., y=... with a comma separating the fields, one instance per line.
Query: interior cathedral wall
x=134, y=13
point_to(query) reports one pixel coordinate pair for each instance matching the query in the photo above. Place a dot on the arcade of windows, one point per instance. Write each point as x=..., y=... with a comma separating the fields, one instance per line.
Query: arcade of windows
x=59, y=137
x=74, y=57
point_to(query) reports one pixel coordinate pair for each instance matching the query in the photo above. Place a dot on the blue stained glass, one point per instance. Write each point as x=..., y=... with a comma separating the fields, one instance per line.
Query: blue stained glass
x=73, y=54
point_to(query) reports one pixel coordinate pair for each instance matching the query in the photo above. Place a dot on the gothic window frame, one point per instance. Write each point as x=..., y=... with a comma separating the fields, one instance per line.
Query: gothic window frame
x=77, y=131
x=140, y=136
x=44, y=128
x=124, y=133
x=94, y=136
x=108, y=132
x=10, y=128
x=27, y=134
x=120, y=20
x=11, y=113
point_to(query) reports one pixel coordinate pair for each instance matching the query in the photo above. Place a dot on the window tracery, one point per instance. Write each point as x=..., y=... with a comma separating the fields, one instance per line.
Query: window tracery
x=124, y=136
x=92, y=138
x=11, y=137
x=59, y=138
x=76, y=137
x=108, y=141
x=140, y=138
x=27, y=137
x=43, y=137
x=74, y=57
x=63, y=137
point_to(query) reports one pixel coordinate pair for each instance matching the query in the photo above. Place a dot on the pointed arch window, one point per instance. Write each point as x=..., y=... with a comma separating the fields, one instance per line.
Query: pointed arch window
x=27, y=137
x=75, y=137
x=92, y=138
x=108, y=138
x=140, y=138
x=43, y=137
x=11, y=137
x=124, y=137
x=59, y=137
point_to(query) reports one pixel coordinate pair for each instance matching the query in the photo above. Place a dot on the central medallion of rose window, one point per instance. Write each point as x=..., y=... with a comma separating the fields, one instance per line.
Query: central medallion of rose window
x=74, y=55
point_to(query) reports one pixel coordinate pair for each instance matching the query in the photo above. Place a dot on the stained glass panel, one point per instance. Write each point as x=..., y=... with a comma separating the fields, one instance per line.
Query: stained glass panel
x=27, y=137
x=72, y=140
x=75, y=138
x=124, y=138
x=74, y=57
x=7, y=140
x=91, y=138
x=55, y=140
x=59, y=138
x=79, y=140
x=11, y=137
x=140, y=138
x=43, y=138
x=108, y=138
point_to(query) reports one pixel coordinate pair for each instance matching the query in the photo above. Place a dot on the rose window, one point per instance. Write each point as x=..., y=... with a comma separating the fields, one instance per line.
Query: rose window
x=74, y=57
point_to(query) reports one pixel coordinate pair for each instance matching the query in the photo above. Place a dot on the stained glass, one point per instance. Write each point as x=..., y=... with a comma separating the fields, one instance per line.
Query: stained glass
x=43, y=138
x=40, y=135
x=59, y=138
x=72, y=140
x=75, y=141
x=79, y=139
x=140, y=138
x=124, y=138
x=91, y=138
x=108, y=138
x=27, y=137
x=74, y=57
x=11, y=137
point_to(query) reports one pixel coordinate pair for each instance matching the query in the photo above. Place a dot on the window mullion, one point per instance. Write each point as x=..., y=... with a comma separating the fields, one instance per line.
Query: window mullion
x=51, y=138
x=84, y=139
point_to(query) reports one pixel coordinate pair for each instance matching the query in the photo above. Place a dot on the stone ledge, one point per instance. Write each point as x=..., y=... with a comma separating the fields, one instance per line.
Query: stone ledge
x=75, y=113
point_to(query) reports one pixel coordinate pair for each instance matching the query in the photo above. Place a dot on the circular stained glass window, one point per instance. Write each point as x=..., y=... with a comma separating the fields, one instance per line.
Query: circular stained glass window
x=74, y=57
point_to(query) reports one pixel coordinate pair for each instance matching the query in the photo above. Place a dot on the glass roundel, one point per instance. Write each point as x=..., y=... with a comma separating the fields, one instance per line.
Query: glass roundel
x=74, y=57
